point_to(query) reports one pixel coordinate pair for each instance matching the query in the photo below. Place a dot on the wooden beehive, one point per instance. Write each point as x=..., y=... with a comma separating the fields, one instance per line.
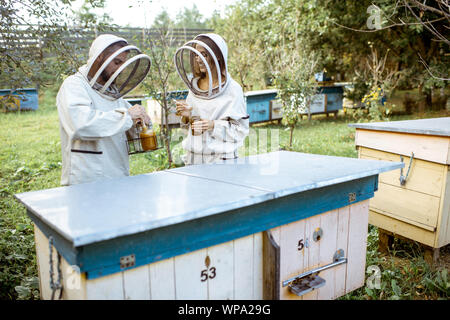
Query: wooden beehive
x=236, y=229
x=419, y=209
x=262, y=105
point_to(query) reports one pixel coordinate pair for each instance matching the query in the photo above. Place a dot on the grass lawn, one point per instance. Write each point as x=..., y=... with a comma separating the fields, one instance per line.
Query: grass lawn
x=30, y=159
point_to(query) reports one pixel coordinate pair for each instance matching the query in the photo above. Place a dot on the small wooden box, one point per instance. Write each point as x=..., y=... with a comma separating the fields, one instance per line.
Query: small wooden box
x=154, y=111
x=420, y=208
x=276, y=110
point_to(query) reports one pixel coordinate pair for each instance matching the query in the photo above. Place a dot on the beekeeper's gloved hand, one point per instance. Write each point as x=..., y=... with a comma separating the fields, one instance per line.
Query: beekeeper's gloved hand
x=138, y=114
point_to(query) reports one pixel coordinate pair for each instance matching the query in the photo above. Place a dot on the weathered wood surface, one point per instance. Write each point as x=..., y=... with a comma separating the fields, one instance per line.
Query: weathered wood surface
x=425, y=147
x=418, y=210
x=251, y=267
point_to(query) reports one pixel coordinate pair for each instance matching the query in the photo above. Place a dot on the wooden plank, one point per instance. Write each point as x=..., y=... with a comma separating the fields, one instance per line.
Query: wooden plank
x=271, y=266
x=243, y=268
x=328, y=243
x=409, y=206
x=162, y=280
x=430, y=148
x=312, y=255
x=448, y=152
x=136, y=283
x=74, y=284
x=341, y=243
x=291, y=258
x=42, y=259
x=188, y=269
x=109, y=287
x=424, y=176
x=443, y=227
x=220, y=271
x=406, y=220
x=402, y=228
x=357, y=244
x=258, y=266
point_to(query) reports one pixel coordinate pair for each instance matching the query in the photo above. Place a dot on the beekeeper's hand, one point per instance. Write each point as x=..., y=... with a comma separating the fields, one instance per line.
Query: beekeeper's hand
x=183, y=109
x=138, y=114
x=201, y=126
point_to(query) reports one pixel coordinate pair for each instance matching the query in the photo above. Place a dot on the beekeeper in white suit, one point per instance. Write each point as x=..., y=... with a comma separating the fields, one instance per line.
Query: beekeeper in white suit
x=215, y=110
x=93, y=116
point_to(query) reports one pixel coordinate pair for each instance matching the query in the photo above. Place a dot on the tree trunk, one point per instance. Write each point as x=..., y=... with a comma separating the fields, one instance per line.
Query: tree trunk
x=421, y=102
x=442, y=100
x=408, y=104
x=166, y=131
x=428, y=100
x=291, y=136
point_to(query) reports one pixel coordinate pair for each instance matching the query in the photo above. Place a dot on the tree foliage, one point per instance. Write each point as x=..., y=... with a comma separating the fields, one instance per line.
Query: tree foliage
x=162, y=78
x=337, y=32
x=34, y=49
x=186, y=18
x=190, y=18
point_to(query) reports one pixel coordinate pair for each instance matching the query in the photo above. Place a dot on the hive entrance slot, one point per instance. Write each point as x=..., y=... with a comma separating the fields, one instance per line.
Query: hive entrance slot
x=302, y=286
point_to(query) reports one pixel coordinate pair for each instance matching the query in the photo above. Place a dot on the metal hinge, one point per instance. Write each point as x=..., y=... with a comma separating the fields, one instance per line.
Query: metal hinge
x=352, y=197
x=127, y=261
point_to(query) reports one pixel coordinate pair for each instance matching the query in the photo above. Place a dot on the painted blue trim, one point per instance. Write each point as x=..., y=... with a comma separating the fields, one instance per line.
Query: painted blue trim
x=330, y=90
x=62, y=245
x=102, y=258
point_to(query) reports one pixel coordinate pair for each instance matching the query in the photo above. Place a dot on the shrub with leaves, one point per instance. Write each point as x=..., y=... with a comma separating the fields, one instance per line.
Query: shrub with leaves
x=373, y=109
x=293, y=77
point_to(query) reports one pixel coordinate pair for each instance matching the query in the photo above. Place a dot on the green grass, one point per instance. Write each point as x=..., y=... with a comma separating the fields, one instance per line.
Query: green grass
x=30, y=158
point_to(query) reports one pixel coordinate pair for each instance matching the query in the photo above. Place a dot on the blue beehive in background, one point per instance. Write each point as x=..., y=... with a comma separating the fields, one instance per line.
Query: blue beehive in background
x=25, y=99
x=177, y=95
x=322, y=76
x=328, y=99
x=259, y=106
x=263, y=105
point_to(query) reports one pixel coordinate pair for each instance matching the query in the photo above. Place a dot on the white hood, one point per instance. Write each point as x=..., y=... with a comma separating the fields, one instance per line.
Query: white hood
x=100, y=43
x=227, y=108
x=110, y=90
x=220, y=42
x=186, y=69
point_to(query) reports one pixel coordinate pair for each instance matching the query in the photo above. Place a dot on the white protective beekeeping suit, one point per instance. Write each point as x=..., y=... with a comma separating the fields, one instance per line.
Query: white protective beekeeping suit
x=224, y=104
x=94, y=118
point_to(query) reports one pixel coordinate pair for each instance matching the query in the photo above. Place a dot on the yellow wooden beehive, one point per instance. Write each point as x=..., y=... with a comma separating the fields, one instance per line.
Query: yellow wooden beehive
x=419, y=208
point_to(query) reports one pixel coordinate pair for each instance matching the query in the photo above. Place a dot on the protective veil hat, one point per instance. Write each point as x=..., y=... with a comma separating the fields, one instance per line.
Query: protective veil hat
x=188, y=69
x=122, y=70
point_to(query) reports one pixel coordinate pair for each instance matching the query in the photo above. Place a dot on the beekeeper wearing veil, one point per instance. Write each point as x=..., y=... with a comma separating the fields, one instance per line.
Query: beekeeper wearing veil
x=94, y=118
x=214, y=113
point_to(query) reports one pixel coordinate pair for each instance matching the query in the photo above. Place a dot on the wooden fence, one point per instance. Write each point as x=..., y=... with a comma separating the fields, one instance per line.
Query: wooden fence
x=27, y=37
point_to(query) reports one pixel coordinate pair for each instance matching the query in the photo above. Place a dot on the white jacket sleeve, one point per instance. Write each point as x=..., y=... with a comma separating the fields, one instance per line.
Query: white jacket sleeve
x=232, y=124
x=82, y=120
x=231, y=130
